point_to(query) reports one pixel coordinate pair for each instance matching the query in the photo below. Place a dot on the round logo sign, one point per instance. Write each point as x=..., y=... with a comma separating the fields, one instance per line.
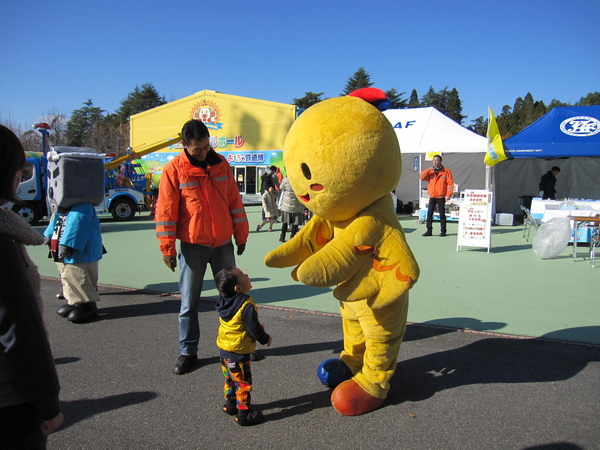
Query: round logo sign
x=580, y=126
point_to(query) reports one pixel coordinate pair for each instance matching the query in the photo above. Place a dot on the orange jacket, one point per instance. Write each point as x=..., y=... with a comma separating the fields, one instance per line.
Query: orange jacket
x=441, y=184
x=199, y=206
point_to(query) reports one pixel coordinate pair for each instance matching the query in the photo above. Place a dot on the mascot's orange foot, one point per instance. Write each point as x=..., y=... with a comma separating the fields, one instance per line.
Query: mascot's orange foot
x=350, y=399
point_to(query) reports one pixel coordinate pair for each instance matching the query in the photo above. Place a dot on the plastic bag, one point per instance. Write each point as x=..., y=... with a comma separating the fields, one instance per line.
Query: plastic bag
x=552, y=238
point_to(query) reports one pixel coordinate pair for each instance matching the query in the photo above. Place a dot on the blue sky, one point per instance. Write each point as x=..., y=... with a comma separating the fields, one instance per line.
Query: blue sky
x=57, y=55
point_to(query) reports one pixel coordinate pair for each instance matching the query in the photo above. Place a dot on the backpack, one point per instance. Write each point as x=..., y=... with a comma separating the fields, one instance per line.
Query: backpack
x=266, y=181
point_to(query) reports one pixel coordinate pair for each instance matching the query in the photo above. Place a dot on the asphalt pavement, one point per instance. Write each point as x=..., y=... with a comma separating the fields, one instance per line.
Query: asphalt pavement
x=452, y=389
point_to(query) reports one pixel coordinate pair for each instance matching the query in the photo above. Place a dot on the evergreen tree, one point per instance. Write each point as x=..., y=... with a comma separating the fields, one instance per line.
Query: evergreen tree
x=527, y=111
x=413, y=102
x=593, y=98
x=396, y=100
x=506, y=122
x=555, y=102
x=440, y=101
x=137, y=101
x=479, y=126
x=360, y=79
x=309, y=99
x=454, y=106
x=539, y=109
x=429, y=99
x=81, y=124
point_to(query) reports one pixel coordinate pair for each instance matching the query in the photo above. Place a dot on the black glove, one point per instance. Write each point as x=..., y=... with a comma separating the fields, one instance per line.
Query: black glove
x=64, y=251
x=240, y=249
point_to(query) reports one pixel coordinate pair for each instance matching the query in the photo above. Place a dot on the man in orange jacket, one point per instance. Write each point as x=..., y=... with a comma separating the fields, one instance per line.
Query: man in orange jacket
x=199, y=203
x=441, y=186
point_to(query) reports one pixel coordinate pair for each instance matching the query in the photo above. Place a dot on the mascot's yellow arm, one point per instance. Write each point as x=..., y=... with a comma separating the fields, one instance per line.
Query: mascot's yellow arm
x=367, y=256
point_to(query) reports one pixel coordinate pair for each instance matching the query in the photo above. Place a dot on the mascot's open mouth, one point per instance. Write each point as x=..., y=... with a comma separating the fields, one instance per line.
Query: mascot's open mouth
x=314, y=187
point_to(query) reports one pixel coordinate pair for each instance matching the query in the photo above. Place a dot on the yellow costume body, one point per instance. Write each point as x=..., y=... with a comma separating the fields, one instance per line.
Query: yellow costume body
x=342, y=158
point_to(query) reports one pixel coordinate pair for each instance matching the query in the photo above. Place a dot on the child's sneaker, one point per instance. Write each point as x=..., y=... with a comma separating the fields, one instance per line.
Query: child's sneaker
x=253, y=418
x=230, y=409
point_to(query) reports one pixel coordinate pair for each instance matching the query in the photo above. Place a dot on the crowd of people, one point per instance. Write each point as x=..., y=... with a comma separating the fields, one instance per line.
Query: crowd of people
x=279, y=201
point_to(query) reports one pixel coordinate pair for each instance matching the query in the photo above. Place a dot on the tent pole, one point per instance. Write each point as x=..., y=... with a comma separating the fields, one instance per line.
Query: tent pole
x=418, y=205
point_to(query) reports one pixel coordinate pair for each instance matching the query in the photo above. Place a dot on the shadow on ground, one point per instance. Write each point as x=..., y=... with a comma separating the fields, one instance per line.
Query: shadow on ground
x=77, y=410
x=489, y=360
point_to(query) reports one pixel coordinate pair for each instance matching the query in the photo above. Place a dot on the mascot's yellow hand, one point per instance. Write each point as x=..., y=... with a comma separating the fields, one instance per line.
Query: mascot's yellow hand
x=294, y=252
x=294, y=274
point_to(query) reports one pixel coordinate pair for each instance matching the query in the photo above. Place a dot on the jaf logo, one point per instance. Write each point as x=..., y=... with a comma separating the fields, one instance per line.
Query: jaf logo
x=208, y=113
x=580, y=126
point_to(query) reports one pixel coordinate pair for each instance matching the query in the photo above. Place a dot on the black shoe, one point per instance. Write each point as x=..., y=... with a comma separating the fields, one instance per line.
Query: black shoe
x=253, y=418
x=282, y=238
x=60, y=296
x=184, y=364
x=230, y=408
x=443, y=234
x=428, y=233
x=65, y=310
x=83, y=312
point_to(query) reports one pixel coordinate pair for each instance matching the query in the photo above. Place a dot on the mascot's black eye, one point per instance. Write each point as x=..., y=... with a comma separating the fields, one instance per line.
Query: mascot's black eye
x=306, y=171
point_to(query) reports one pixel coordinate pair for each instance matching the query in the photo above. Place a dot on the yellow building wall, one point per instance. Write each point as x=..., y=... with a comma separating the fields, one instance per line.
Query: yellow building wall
x=235, y=123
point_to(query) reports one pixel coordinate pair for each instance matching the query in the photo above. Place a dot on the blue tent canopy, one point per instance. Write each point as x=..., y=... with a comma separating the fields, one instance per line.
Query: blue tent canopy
x=566, y=131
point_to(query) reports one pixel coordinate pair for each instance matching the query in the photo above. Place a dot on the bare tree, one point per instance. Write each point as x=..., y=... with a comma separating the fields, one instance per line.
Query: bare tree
x=107, y=138
x=58, y=122
x=31, y=140
x=9, y=122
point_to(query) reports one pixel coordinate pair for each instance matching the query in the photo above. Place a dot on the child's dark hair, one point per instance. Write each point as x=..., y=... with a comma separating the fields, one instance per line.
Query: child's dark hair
x=226, y=281
x=12, y=159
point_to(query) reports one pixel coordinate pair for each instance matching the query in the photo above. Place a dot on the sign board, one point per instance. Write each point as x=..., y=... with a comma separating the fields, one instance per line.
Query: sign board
x=475, y=219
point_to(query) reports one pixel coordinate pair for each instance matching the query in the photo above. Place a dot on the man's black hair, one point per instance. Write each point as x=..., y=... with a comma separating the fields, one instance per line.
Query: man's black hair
x=194, y=130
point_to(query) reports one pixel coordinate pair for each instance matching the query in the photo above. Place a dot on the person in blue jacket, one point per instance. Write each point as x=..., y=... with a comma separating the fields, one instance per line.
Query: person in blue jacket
x=76, y=247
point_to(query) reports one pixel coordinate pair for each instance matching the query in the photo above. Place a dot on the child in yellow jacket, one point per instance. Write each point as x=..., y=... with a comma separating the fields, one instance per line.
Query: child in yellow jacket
x=239, y=330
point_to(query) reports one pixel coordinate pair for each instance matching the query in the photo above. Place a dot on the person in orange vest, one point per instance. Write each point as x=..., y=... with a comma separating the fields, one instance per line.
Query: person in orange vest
x=440, y=189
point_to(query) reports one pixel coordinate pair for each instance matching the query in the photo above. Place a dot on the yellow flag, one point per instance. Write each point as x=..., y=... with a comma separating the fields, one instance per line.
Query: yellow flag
x=495, y=151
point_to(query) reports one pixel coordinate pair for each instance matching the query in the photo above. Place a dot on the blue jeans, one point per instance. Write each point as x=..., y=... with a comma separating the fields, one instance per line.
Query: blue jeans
x=193, y=260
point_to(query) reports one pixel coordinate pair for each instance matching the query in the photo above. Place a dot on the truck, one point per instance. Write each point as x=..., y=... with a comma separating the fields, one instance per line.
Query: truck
x=126, y=186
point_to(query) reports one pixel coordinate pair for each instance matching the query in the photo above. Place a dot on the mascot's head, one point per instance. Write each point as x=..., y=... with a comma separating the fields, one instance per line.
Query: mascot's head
x=342, y=154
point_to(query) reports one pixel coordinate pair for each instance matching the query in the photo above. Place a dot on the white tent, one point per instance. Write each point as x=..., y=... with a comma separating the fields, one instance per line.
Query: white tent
x=423, y=131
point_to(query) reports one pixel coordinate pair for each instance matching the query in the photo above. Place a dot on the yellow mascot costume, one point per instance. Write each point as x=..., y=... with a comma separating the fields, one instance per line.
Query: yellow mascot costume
x=343, y=159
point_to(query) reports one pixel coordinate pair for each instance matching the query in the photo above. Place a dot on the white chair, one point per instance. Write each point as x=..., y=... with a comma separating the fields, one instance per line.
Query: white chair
x=528, y=222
